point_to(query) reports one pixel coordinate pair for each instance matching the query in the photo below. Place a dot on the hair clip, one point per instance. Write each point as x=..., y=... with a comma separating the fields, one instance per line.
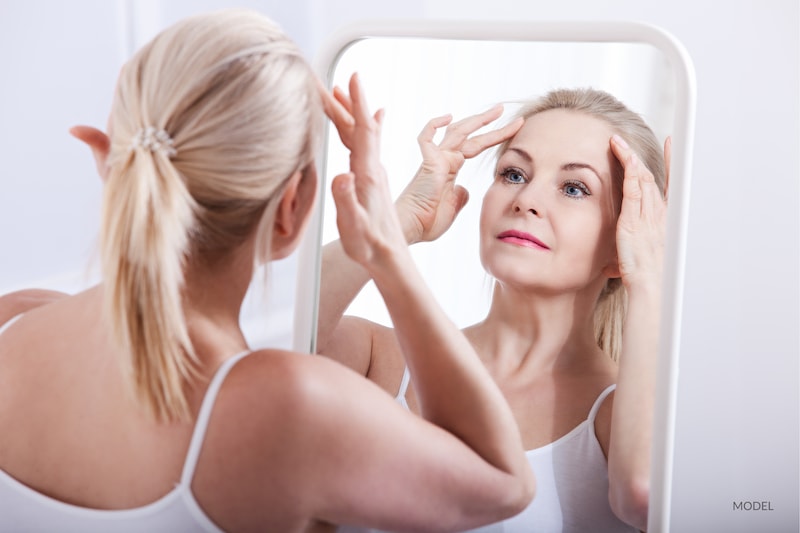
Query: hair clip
x=154, y=140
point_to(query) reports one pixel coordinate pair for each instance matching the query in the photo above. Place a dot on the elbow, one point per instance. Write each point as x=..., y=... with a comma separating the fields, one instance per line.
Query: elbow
x=497, y=504
x=521, y=495
x=630, y=502
x=527, y=491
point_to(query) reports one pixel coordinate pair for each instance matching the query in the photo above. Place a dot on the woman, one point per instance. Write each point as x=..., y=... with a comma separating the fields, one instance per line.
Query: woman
x=571, y=230
x=138, y=406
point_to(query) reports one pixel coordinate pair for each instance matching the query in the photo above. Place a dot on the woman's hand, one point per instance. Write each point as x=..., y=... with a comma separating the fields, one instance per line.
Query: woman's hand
x=431, y=201
x=642, y=220
x=368, y=225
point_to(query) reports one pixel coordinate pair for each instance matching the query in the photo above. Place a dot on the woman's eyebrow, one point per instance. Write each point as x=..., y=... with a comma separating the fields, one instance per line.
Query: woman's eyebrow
x=577, y=166
x=522, y=153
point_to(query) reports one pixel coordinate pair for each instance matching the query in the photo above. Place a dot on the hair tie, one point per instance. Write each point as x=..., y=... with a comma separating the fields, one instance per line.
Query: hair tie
x=154, y=140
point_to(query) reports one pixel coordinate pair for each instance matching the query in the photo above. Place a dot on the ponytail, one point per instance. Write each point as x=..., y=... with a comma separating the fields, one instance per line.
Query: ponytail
x=242, y=107
x=146, y=221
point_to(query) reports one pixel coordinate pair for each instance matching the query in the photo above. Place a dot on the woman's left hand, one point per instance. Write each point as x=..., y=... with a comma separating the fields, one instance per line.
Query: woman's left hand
x=642, y=219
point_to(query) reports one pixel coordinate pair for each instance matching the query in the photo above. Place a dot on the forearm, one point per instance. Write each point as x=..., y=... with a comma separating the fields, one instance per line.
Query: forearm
x=341, y=279
x=452, y=385
x=632, y=416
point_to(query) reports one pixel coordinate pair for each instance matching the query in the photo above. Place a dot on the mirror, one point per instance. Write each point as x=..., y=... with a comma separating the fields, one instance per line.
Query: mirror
x=417, y=71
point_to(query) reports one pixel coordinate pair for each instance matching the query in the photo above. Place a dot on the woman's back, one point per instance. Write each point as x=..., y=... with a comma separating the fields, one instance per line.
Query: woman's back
x=72, y=432
x=78, y=453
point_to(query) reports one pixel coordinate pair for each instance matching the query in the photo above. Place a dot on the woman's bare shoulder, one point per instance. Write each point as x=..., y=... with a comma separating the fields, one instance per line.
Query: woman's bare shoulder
x=18, y=302
x=270, y=384
x=282, y=422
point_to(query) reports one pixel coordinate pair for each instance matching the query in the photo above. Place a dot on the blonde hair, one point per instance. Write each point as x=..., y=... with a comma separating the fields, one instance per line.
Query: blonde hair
x=609, y=313
x=240, y=105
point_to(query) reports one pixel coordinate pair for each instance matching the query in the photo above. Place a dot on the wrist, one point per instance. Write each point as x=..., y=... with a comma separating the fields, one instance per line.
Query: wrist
x=390, y=267
x=646, y=289
x=408, y=222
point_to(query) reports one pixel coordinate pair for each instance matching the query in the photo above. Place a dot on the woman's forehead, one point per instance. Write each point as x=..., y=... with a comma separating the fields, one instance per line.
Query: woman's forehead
x=564, y=133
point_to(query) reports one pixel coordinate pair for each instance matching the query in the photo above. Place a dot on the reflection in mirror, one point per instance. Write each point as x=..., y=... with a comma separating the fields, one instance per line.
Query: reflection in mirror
x=416, y=79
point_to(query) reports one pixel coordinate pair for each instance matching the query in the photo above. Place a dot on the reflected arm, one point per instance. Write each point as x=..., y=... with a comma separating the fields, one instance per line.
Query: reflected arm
x=341, y=280
x=640, y=254
x=632, y=412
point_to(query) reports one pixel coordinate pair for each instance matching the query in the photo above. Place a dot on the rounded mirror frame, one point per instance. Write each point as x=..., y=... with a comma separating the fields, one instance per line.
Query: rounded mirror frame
x=307, y=297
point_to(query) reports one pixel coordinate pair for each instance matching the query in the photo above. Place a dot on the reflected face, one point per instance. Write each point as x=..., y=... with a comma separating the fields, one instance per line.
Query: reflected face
x=548, y=219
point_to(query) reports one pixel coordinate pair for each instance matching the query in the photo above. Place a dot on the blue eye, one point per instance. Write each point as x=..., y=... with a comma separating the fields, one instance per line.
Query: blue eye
x=513, y=175
x=575, y=189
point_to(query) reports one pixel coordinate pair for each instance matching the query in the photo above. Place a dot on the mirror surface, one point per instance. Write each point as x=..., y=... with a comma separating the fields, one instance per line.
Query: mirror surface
x=416, y=74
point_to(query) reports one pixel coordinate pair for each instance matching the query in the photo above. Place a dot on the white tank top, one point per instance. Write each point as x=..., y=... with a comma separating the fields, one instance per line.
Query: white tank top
x=571, y=485
x=23, y=509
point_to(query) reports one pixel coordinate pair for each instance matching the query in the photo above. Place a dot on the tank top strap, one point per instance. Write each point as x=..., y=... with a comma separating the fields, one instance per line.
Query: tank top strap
x=201, y=424
x=599, y=401
x=9, y=322
x=401, y=393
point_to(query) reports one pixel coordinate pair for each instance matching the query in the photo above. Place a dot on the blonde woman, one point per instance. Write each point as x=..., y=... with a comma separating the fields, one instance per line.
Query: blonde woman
x=571, y=231
x=138, y=406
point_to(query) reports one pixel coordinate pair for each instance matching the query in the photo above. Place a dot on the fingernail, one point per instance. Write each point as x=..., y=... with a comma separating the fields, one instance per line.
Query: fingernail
x=620, y=141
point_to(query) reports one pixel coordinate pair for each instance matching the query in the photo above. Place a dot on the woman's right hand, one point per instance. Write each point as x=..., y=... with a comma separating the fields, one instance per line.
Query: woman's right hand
x=369, y=229
x=431, y=201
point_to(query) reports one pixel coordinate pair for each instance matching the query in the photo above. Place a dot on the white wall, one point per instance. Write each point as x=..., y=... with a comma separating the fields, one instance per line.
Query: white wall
x=737, y=427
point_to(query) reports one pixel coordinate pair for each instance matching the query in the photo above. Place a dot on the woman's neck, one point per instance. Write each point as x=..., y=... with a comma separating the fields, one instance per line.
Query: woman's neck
x=537, y=332
x=213, y=296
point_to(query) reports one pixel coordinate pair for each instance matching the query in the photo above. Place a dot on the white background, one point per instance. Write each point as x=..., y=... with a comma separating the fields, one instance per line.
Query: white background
x=737, y=427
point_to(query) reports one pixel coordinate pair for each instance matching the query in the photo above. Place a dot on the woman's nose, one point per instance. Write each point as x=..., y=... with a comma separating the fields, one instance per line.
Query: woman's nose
x=528, y=200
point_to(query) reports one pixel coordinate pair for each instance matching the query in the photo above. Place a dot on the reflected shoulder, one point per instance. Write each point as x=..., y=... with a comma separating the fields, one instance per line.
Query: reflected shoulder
x=18, y=302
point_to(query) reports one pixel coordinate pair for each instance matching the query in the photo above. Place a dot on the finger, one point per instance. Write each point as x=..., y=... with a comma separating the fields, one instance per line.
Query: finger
x=98, y=142
x=379, y=115
x=667, y=161
x=360, y=107
x=631, y=180
x=343, y=98
x=479, y=143
x=458, y=132
x=339, y=115
x=323, y=93
x=425, y=137
x=629, y=159
x=344, y=197
x=429, y=130
x=621, y=150
x=328, y=102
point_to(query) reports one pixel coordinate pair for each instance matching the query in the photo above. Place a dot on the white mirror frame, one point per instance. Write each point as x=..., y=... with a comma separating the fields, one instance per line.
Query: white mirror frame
x=307, y=299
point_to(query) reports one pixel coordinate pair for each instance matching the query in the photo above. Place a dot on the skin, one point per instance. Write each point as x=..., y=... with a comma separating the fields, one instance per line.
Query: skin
x=64, y=395
x=555, y=182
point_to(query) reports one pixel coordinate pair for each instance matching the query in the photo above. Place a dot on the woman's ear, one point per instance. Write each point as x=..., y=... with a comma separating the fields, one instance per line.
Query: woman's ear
x=98, y=142
x=294, y=211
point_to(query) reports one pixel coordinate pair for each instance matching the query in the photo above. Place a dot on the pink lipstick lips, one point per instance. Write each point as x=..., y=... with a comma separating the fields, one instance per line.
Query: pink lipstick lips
x=521, y=238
